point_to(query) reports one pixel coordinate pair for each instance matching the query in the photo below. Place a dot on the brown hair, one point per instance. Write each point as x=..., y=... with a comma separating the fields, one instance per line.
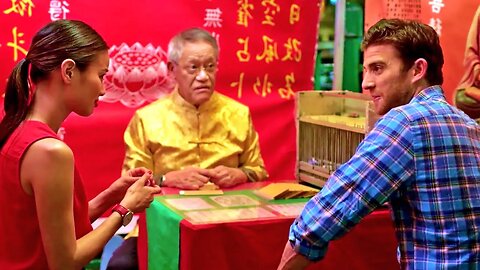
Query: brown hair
x=413, y=40
x=55, y=42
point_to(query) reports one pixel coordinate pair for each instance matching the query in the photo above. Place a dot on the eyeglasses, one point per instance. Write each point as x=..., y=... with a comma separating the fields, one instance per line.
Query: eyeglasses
x=194, y=69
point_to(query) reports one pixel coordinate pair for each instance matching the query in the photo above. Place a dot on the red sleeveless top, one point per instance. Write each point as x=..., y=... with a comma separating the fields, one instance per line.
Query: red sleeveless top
x=20, y=240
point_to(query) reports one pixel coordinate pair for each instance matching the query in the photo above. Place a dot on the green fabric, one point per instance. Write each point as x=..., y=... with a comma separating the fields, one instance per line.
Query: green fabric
x=468, y=105
x=163, y=228
x=460, y=97
x=93, y=264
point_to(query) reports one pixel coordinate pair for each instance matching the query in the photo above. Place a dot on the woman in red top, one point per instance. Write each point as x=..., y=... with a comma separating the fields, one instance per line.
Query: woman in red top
x=45, y=215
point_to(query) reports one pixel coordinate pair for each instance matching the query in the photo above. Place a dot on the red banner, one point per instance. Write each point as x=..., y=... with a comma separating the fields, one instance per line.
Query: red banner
x=267, y=50
x=451, y=20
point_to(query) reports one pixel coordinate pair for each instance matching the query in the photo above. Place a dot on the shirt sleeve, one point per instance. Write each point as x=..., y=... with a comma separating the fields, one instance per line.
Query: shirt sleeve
x=382, y=163
x=251, y=162
x=137, y=153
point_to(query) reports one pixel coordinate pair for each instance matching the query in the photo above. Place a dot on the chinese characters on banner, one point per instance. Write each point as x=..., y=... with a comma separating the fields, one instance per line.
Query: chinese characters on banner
x=58, y=10
x=435, y=21
x=17, y=39
x=451, y=19
x=267, y=51
x=267, y=48
x=23, y=10
x=402, y=9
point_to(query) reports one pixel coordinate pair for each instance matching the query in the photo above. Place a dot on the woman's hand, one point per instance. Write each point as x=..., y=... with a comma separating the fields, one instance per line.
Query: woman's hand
x=141, y=193
x=118, y=188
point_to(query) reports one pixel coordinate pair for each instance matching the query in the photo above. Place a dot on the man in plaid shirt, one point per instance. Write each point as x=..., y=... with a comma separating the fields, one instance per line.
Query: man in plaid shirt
x=422, y=156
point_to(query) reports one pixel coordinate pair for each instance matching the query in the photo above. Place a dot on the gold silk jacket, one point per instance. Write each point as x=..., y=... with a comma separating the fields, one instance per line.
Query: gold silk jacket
x=171, y=134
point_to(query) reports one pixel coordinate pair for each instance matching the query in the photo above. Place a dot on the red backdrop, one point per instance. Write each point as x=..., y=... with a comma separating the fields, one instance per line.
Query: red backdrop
x=267, y=51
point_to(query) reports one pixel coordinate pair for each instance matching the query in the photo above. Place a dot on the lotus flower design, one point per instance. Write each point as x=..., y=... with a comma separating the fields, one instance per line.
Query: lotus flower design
x=136, y=75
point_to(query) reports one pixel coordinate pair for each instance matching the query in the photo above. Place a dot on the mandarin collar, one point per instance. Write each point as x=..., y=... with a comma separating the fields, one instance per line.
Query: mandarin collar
x=207, y=106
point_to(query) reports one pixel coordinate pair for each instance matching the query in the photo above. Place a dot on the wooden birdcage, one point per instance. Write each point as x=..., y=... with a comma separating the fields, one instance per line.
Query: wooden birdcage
x=330, y=125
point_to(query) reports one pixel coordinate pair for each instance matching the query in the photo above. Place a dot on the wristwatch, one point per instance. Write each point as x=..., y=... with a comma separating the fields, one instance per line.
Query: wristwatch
x=126, y=214
x=160, y=179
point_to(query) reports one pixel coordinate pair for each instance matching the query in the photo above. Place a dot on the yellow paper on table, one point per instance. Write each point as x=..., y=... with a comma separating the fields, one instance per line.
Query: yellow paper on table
x=277, y=191
x=201, y=192
x=207, y=189
x=209, y=186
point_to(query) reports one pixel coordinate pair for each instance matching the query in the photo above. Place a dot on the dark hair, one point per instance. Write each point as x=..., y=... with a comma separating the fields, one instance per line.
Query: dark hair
x=175, y=46
x=413, y=40
x=51, y=45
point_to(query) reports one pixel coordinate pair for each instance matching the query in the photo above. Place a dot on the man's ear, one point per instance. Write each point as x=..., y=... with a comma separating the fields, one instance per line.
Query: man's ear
x=170, y=66
x=67, y=67
x=420, y=67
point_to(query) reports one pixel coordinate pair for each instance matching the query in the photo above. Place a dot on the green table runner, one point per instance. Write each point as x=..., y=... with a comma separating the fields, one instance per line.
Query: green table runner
x=163, y=228
x=163, y=221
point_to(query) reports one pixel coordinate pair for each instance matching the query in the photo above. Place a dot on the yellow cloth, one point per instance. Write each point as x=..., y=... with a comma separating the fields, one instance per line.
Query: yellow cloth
x=171, y=134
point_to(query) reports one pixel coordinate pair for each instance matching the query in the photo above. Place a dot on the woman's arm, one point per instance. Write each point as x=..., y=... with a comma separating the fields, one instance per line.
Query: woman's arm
x=47, y=172
x=114, y=193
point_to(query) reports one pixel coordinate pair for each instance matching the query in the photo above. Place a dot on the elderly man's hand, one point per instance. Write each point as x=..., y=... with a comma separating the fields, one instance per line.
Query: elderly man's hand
x=223, y=176
x=188, y=178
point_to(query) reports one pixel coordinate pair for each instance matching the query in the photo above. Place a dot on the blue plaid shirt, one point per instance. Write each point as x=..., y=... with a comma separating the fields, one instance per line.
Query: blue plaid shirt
x=422, y=157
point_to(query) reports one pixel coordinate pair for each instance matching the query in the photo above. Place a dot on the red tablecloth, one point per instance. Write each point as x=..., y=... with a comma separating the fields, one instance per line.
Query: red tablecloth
x=259, y=244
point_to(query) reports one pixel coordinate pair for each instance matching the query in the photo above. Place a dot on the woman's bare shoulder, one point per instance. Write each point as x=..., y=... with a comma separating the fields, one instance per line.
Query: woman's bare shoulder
x=48, y=162
x=50, y=149
x=46, y=156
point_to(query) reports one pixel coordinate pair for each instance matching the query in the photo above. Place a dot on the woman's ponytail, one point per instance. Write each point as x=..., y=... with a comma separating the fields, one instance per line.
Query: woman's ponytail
x=17, y=99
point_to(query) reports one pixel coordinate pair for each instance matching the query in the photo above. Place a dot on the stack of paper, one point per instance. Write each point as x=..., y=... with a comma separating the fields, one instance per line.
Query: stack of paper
x=277, y=191
x=207, y=189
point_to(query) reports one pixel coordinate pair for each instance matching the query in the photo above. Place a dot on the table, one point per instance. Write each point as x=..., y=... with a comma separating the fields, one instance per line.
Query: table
x=175, y=239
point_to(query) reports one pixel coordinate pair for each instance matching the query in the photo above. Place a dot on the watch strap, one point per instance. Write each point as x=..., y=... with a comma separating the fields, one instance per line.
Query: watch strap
x=124, y=212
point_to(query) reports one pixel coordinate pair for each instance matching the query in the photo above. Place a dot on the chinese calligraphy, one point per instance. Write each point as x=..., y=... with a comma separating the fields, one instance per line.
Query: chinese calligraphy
x=437, y=5
x=58, y=10
x=404, y=9
x=239, y=85
x=294, y=14
x=292, y=48
x=262, y=88
x=15, y=44
x=287, y=92
x=435, y=22
x=243, y=55
x=267, y=48
x=20, y=7
x=271, y=8
x=243, y=13
x=212, y=18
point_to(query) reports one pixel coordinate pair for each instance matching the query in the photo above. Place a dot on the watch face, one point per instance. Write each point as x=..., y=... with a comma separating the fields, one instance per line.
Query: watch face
x=127, y=218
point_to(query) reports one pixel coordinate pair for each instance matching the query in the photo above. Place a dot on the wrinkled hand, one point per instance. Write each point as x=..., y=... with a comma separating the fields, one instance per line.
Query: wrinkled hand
x=292, y=260
x=224, y=177
x=140, y=194
x=188, y=178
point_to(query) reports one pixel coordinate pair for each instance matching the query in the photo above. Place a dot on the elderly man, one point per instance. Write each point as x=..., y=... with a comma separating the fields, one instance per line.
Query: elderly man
x=194, y=135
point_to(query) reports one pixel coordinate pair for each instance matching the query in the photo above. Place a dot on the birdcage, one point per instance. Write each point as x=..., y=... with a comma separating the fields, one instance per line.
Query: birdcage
x=330, y=125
